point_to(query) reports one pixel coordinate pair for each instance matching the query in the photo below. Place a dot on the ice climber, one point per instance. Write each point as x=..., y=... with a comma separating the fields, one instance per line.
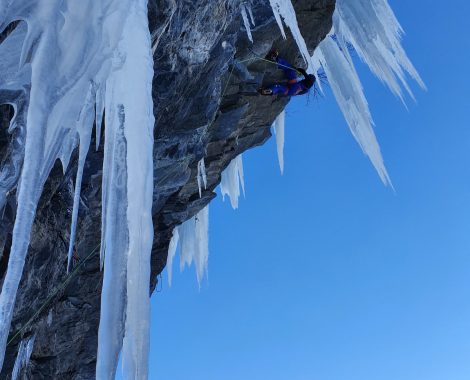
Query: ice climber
x=294, y=86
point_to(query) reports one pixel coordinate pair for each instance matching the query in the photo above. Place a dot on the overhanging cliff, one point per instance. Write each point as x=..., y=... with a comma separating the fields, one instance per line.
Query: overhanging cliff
x=197, y=46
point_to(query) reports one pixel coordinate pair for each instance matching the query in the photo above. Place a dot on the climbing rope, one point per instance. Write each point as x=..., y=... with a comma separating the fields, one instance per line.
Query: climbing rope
x=61, y=287
x=253, y=59
x=256, y=58
x=75, y=271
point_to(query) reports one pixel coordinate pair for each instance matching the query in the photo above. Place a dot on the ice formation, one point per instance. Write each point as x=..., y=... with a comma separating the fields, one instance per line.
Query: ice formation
x=232, y=179
x=23, y=356
x=201, y=176
x=128, y=238
x=60, y=76
x=193, y=237
x=371, y=28
x=347, y=89
x=285, y=9
x=374, y=31
x=246, y=21
x=56, y=74
x=171, y=254
x=278, y=126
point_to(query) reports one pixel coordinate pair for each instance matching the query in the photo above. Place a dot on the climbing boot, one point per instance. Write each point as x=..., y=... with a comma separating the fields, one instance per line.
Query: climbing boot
x=265, y=91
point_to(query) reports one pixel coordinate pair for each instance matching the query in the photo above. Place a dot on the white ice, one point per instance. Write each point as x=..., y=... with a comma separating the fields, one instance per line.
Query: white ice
x=24, y=354
x=371, y=28
x=201, y=176
x=279, y=126
x=130, y=108
x=63, y=64
x=171, y=254
x=13, y=91
x=194, y=243
x=246, y=22
x=285, y=9
x=232, y=179
x=374, y=31
x=64, y=68
x=347, y=89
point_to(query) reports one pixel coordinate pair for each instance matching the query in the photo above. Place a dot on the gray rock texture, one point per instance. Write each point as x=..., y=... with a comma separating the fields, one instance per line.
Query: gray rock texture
x=206, y=105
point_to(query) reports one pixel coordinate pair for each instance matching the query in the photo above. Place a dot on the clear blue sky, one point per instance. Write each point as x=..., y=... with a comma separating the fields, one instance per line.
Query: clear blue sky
x=325, y=274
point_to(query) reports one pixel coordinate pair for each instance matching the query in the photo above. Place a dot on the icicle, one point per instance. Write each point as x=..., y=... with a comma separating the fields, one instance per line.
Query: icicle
x=100, y=102
x=194, y=240
x=250, y=12
x=246, y=23
x=171, y=254
x=232, y=178
x=68, y=56
x=347, y=89
x=22, y=359
x=187, y=236
x=137, y=75
x=84, y=128
x=279, y=125
x=128, y=221
x=202, y=234
x=285, y=9
x=201, y=176
x=374, y=31
x=114, y=242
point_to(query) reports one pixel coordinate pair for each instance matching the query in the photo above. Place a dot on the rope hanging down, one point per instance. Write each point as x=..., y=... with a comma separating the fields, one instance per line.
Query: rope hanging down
x=61, y=287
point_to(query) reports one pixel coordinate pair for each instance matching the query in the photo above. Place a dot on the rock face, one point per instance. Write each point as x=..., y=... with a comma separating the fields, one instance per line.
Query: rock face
x=206, y=106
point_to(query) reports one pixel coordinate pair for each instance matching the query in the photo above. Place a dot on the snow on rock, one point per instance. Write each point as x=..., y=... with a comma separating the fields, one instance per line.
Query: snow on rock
x=279, y=125
x=23, y=356
x=194, y=243
x=232, y=179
